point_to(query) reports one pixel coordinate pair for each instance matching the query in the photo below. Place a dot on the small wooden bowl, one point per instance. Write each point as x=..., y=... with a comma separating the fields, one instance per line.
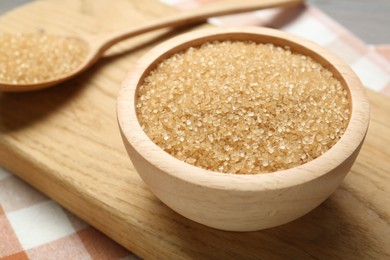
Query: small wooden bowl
x=232, y=201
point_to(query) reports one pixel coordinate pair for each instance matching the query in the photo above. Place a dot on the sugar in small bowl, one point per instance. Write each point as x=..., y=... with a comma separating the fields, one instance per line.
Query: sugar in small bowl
x=242, y=129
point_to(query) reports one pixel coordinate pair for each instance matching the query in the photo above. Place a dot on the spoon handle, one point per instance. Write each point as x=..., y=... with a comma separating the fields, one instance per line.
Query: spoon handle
x=195, y=15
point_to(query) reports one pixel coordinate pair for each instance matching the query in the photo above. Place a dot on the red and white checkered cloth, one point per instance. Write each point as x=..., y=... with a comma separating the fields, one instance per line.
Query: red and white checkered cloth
x=34, y=227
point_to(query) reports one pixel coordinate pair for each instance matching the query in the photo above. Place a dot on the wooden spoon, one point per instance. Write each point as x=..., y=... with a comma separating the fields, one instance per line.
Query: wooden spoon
x=98, y=45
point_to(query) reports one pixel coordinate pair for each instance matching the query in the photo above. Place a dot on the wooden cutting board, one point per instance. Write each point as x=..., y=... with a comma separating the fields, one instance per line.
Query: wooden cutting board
x=65, y=142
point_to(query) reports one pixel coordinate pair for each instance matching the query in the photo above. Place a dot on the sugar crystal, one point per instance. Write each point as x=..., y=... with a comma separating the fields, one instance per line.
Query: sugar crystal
x=33, y=58
x=243, y=107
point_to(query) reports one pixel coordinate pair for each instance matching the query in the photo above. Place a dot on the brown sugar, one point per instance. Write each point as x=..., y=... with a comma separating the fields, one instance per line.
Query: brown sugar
x=242, y=107
x=34, y=58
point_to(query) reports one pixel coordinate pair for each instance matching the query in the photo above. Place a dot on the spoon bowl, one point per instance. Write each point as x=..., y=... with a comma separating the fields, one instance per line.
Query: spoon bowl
x=98, y=45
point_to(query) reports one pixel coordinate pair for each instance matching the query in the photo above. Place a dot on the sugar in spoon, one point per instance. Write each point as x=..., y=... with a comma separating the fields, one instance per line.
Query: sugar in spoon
x=90, y=50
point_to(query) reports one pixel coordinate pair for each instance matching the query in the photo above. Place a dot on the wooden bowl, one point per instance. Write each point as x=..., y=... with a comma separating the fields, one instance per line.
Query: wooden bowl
x=233, y=201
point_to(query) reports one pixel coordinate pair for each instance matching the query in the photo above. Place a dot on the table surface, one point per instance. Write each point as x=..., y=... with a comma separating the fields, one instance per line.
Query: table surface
x=378, y=37
x=367, y=19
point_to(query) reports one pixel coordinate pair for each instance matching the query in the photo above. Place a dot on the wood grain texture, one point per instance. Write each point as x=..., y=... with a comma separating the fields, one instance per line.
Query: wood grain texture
x=65, y=142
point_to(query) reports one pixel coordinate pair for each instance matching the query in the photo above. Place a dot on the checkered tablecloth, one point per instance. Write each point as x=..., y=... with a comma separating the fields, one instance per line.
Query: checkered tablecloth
x=34, y=227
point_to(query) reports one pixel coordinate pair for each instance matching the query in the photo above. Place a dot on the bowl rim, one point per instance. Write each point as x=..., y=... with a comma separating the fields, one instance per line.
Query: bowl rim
x=148, y=150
